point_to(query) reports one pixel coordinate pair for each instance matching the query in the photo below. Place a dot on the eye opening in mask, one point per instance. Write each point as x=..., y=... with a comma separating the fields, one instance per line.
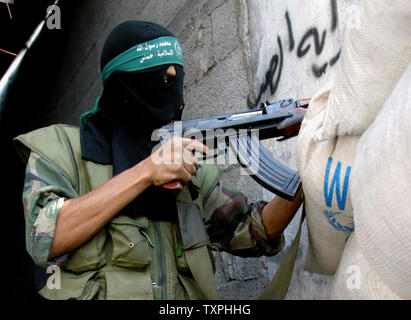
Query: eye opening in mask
x=169, y=79
x=170, y=76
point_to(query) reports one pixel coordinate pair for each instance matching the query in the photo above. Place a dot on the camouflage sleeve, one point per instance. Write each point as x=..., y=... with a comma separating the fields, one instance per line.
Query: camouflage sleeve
x=45, y=190
x=236, y=226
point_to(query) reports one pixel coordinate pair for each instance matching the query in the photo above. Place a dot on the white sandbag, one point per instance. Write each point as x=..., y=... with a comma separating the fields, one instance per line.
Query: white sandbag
x=325, y=169
x=372, y=60
x=355, y=279
x=381, y=190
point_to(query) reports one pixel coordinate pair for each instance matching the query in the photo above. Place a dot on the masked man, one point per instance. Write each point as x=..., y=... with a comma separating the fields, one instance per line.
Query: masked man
x=93, y=198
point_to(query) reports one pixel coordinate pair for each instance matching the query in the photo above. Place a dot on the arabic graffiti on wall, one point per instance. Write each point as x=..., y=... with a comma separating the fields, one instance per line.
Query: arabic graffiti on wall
x=311, y=39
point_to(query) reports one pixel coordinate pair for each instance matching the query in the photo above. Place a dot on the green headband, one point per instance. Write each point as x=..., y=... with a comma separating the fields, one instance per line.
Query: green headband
x=156, y=52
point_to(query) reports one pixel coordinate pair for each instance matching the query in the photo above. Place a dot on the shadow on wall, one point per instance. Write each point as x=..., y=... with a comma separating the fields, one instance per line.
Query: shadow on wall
x=21, y=105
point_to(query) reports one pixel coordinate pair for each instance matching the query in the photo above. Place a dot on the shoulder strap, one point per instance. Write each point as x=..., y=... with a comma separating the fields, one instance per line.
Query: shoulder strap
x=199, y=262
x=194, y=236
x=278, y=287
x=195, y=240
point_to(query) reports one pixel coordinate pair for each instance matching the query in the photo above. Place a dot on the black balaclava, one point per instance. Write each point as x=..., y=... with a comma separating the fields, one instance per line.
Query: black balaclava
x=132, y=105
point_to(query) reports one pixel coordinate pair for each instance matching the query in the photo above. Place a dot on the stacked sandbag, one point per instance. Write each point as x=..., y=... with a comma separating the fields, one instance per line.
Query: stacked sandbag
x=325, y=169
x=381, y=188
x=356, y=279
x=372, y=60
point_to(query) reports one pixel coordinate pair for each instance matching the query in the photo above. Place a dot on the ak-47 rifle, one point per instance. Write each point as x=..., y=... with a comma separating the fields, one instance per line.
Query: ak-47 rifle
x=238, y=130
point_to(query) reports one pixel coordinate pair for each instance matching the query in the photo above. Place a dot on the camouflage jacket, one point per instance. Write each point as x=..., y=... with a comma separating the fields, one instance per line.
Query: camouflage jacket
x=233, y=224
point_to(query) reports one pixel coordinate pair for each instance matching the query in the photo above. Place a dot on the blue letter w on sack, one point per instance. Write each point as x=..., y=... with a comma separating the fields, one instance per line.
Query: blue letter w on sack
x=335, y=183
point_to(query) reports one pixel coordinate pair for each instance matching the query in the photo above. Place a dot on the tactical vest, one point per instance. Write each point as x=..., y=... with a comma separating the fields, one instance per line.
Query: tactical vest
x=132, y=257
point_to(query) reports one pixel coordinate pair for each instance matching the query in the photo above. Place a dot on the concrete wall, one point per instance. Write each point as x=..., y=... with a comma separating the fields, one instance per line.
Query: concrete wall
x=237, y=54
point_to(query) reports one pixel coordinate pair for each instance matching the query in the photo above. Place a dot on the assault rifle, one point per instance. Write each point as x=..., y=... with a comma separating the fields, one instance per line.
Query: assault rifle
x=242, y=131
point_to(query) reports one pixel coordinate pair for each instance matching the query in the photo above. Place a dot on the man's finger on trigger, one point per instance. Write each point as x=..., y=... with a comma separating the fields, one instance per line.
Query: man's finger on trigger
x=194, y=145
x=189, y=157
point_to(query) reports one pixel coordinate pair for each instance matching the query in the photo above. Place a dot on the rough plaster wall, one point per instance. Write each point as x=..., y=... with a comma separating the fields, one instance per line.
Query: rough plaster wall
x=295, y=46
x=232, y=61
